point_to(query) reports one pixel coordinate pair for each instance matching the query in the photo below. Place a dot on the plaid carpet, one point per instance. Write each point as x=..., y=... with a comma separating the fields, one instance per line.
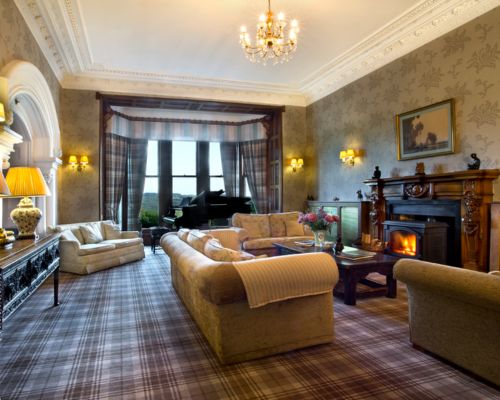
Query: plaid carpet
x=124, y=334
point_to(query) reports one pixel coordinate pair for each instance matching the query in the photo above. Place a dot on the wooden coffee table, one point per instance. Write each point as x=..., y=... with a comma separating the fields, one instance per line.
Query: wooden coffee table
x=353, y=272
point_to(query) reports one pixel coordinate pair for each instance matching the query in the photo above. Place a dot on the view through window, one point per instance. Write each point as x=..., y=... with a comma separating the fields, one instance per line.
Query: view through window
x=149, y=215
x=183, y=171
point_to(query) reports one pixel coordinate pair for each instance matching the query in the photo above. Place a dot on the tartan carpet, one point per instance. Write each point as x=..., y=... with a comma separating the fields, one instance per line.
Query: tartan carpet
x=124, y=334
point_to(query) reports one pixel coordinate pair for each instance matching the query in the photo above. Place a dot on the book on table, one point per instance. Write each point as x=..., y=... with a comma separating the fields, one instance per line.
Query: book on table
x=351, y=253
x=305, y=243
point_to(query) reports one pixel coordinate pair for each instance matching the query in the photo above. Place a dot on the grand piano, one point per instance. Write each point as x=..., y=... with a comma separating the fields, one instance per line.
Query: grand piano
x=205, y=207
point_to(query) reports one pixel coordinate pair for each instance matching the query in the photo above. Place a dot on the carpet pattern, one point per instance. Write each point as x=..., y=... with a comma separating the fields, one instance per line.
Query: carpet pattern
x=124, y=334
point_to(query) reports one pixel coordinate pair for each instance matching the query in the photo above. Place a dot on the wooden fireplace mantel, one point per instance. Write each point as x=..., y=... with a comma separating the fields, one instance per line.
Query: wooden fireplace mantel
x=474, y=189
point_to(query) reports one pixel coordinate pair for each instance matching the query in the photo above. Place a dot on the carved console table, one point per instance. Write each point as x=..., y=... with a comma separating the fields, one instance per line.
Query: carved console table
x=473, y=189
x=23, y=268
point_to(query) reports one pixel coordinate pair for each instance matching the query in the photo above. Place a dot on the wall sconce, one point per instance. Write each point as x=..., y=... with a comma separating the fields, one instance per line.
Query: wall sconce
x=296, y=163
x=79, y=166
x=347, y=156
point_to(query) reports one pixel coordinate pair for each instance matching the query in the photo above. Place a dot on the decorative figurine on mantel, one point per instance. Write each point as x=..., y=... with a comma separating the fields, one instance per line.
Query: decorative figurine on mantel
x=336, y=198
x=360, y=195
x=476, y=162
x=339, y=246
x=377, y=173
x=420, y=169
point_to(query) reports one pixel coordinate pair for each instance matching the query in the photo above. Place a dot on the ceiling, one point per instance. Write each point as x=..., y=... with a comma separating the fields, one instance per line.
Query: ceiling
x=190, y=48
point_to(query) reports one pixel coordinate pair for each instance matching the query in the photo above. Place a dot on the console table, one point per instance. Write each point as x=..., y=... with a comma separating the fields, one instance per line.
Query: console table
x=24, y=266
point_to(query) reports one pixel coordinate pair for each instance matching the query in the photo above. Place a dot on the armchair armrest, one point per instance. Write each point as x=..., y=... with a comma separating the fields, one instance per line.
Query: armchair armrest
x=129, y=234
x=68, y=248
x=242, y=233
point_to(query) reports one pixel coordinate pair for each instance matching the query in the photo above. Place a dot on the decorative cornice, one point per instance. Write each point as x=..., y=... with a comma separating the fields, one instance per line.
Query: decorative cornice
x=59, y=31
x=427, y=21
x=189, y=87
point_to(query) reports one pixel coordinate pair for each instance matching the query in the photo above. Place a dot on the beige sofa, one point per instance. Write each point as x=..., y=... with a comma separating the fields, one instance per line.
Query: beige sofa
x=216, y=297
x=93, y=246
x=260, y=231
x=455, y=314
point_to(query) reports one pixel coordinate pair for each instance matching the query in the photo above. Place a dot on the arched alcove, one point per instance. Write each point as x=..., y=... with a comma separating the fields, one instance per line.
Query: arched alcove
x=30, y=99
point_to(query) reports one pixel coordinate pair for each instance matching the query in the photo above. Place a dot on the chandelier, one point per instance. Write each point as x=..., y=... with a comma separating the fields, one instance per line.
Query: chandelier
x=271, y=41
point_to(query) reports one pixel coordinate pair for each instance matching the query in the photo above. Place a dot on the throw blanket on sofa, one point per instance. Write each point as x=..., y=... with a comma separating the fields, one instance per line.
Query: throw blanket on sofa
x=287, y=277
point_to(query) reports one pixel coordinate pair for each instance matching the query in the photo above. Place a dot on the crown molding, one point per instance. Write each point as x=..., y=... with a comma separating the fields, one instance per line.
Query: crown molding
x=59, y=30
x=427, y=21
x=189, y=87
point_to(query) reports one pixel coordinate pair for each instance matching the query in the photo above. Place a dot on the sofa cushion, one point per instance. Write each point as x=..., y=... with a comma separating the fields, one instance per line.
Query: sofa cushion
x=257, y=225
x=120, y=243
x=111, y=231
x=91, y=234
x=78, y=234
x=68, y=235
x=228, y=237
x=183, y=234
x=277, y=223
x=197, y=239
x=214, y=250
x=94, y=248
x=293, y=228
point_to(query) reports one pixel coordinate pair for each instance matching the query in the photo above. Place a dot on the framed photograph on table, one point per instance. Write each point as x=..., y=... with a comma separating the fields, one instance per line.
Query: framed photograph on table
x=426, y=132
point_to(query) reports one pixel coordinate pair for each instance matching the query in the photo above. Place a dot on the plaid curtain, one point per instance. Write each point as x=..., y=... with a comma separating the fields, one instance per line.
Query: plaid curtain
x=254, y=155
x=229, y=157
x=137, y=157
x=114, y=174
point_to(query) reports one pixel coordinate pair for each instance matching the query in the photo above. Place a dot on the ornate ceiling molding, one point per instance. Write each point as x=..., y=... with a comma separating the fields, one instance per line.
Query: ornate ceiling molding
x=427, y=21
x=60, y=32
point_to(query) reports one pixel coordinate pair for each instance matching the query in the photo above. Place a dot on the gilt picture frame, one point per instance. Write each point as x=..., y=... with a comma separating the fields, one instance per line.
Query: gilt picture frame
x=426, y=132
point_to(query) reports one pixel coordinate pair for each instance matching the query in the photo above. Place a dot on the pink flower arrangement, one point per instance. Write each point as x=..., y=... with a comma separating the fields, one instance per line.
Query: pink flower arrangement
x=318, y=220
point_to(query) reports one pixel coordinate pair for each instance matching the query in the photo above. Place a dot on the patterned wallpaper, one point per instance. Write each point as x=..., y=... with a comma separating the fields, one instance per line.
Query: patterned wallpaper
x=17, y=43
x=79, y=191
x=464, y=65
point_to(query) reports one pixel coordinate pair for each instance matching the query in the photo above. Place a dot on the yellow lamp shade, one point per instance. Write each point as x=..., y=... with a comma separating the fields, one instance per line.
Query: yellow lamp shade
x=84, y=160
x=2, y=113
x=26, y=181
x=343, y=154
x=294, y=162
x=300, y=162
x=72, y=160
x=350, y=153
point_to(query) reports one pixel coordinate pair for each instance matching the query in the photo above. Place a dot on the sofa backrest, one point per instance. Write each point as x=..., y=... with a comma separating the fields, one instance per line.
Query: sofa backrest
x=75, y=228
x=269, y=225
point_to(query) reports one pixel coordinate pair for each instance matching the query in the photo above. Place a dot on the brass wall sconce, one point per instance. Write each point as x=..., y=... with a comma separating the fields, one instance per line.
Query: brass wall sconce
x=347, y=156
x=79, y=166
x=296, y=163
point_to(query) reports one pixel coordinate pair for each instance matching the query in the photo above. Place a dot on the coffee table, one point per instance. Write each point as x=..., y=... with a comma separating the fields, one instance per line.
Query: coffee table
x=352, y=272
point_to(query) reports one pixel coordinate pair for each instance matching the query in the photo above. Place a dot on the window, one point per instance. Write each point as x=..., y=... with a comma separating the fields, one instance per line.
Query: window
x=215, y=167
x=183, y=171
x=149, y=209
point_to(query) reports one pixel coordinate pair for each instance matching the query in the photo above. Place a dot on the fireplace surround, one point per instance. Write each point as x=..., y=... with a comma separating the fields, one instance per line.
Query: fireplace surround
x=463, y=196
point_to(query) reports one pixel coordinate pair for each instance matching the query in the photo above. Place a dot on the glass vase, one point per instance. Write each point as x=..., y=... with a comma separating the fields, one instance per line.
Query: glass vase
x=319, y=238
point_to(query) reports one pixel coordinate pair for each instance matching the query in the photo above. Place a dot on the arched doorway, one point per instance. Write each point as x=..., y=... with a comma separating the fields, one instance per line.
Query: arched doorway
x=35, y=118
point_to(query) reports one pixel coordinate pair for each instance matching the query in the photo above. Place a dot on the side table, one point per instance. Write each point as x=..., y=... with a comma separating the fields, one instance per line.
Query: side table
x=156, y=233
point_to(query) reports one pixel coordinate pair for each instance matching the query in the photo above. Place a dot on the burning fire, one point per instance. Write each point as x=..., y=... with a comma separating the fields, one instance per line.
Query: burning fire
x=404, y=243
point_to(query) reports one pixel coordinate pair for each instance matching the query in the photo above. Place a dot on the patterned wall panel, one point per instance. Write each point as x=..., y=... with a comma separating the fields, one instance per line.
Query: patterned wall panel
x=464, y=65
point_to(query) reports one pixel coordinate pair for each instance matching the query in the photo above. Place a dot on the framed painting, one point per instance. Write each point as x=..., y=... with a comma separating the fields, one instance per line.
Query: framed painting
x=426, y=132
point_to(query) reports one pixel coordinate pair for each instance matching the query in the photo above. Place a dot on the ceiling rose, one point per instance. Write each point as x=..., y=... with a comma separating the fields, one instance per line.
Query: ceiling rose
x=272, y=41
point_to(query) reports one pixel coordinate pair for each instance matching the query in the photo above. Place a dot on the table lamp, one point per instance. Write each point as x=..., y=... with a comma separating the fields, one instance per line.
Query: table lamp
x=27, y=182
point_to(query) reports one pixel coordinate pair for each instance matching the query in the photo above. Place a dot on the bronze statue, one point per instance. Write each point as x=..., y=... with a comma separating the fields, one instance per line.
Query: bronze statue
x=476, y=163
x=377, y=173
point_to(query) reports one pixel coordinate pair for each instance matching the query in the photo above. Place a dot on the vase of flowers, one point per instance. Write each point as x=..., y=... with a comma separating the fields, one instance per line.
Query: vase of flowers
x=319, y=222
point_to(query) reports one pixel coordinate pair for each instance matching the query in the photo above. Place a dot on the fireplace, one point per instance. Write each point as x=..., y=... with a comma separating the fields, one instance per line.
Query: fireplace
x=425, y=240
x=461, y=199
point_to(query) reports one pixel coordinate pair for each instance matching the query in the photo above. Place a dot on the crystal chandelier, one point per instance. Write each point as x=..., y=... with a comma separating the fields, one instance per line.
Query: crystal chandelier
x=271, y=41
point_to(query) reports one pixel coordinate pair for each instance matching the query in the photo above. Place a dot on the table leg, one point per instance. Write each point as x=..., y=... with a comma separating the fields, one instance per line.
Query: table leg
x=392, y=286
x=56, y=287
x=350, y=289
